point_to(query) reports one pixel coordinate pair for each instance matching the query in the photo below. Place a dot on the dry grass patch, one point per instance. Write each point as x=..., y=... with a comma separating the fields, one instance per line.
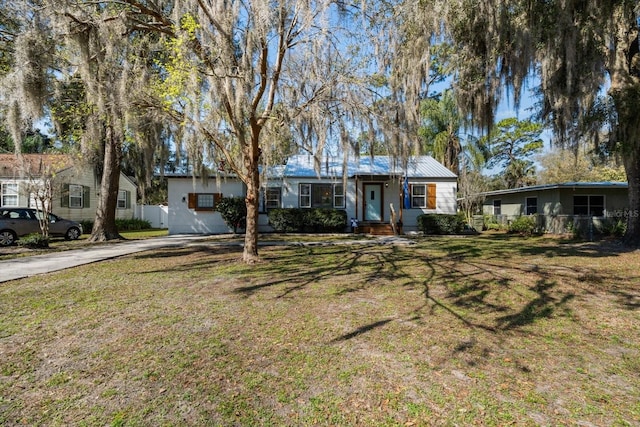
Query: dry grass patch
x=488, y=331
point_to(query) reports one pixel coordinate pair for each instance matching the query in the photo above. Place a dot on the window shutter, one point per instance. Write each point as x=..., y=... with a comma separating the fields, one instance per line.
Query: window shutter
x=192, y=200
x=86, y=196
x=64, y=198
x=216, y=199
x=431, y=196
x=127, y=199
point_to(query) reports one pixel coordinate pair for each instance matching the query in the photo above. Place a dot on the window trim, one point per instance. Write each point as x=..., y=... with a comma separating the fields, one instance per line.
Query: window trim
x=125, y=199
x=4, y=194
x=267, y=199
x=427, y=200
x=337, y=204
x=590, y=205
x=497, y=203
x=194, y=202
x=76, y=188
x=305, y=195
x=527, y=205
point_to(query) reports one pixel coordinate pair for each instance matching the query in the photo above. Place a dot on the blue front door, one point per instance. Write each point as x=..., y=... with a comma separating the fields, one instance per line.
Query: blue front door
x=372, y=202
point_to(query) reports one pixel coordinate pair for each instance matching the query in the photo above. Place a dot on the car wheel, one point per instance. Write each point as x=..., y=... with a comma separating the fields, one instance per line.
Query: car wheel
x=72, y=234
x=7, y=237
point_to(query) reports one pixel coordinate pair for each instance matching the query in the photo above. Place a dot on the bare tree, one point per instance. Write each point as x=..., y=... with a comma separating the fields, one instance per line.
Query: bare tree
x=227, y=69
x=42, y=183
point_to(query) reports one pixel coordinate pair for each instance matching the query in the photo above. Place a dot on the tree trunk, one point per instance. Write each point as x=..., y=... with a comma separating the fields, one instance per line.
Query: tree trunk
x=104, y=226
x=251, y=161
x=632, y=168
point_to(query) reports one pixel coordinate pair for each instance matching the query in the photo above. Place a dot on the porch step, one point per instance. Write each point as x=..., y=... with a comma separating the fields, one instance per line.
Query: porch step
x=376, y=229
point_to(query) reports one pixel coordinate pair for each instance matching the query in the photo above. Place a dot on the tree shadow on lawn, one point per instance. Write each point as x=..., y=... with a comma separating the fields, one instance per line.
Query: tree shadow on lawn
x=502, y=246
x=495, y=293
x=192, y=257
x=505, y=295
x=292, y=271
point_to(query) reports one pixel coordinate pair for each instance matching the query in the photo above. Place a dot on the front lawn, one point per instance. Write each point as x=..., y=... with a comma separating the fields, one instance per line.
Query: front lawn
x=487, y=330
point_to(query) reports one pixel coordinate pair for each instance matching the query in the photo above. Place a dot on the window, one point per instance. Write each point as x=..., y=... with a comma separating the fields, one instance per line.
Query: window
x=305, y=196
x=124, y=199
x=497, y=207
x=423, y=196
x=338, y=196
x=9, y=194
x=76, y=194
x=273, y=197
x=321, y=196
x=588, y=205
x=204, y=201
x=531, y=206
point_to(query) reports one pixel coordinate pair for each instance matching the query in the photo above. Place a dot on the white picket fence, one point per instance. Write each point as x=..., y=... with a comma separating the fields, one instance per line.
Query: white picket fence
x=157, y=215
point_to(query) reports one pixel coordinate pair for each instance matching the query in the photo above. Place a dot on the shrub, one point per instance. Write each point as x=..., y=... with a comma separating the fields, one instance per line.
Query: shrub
x=612, y=227
x=525, y=225
x=233, y=211
x=441, y=223
x=316, y=220
x=286, y=220
x=87, y=226
x=131, y=224
x=34, y=241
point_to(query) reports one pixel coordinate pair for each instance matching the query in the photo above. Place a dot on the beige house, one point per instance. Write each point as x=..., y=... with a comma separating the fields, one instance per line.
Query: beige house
x=557, y=205
x=74, y=188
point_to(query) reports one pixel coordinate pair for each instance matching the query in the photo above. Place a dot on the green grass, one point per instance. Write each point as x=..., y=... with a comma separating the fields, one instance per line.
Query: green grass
x=483, y=330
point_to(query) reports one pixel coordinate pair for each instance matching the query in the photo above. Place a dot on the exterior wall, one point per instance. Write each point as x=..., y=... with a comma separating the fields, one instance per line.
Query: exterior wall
x=615, y=199
x=84, y=177
x=130, y=211
x=555, y=208
x=182, y=220
x=446, y=202
x=391, y=195
x=557, y=201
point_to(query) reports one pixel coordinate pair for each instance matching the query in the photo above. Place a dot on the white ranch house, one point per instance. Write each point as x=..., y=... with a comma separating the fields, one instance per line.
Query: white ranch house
x=372, y=192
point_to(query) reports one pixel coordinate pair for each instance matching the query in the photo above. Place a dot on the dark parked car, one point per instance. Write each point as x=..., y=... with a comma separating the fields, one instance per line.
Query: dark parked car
x=17, y=222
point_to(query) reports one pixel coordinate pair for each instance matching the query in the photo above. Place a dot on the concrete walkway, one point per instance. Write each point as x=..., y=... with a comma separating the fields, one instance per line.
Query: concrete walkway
x=27, y=266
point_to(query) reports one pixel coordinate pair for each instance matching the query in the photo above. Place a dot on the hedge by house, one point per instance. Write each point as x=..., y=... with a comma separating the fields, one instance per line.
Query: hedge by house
x=525, y=225
x=233, y=211
x=318, y=220
x=441, y=223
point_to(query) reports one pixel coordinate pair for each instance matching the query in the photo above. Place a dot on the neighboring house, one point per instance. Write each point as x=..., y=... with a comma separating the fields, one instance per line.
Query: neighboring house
x=372, y=192
x=75, y=189
x=557, y=203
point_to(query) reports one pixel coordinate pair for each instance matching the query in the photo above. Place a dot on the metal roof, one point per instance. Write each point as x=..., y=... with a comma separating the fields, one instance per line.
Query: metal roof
x=547, y=187
x=418, y=167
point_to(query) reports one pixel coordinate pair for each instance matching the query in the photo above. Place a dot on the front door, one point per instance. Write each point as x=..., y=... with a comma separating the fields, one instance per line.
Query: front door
x=373, y=202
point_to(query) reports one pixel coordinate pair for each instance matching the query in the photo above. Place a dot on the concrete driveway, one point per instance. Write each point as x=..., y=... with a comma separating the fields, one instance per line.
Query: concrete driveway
x=19, y=268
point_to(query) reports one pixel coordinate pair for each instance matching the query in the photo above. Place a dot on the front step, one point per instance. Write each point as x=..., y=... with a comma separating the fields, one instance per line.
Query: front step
x=376, y=229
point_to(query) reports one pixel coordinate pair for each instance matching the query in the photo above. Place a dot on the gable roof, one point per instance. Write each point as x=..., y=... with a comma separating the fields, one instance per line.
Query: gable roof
x=32, y=165
x=303, y=165
x=548, y=187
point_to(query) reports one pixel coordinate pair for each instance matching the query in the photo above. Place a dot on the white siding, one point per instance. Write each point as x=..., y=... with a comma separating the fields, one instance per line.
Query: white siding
x=445, y=203
x=183, y=220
